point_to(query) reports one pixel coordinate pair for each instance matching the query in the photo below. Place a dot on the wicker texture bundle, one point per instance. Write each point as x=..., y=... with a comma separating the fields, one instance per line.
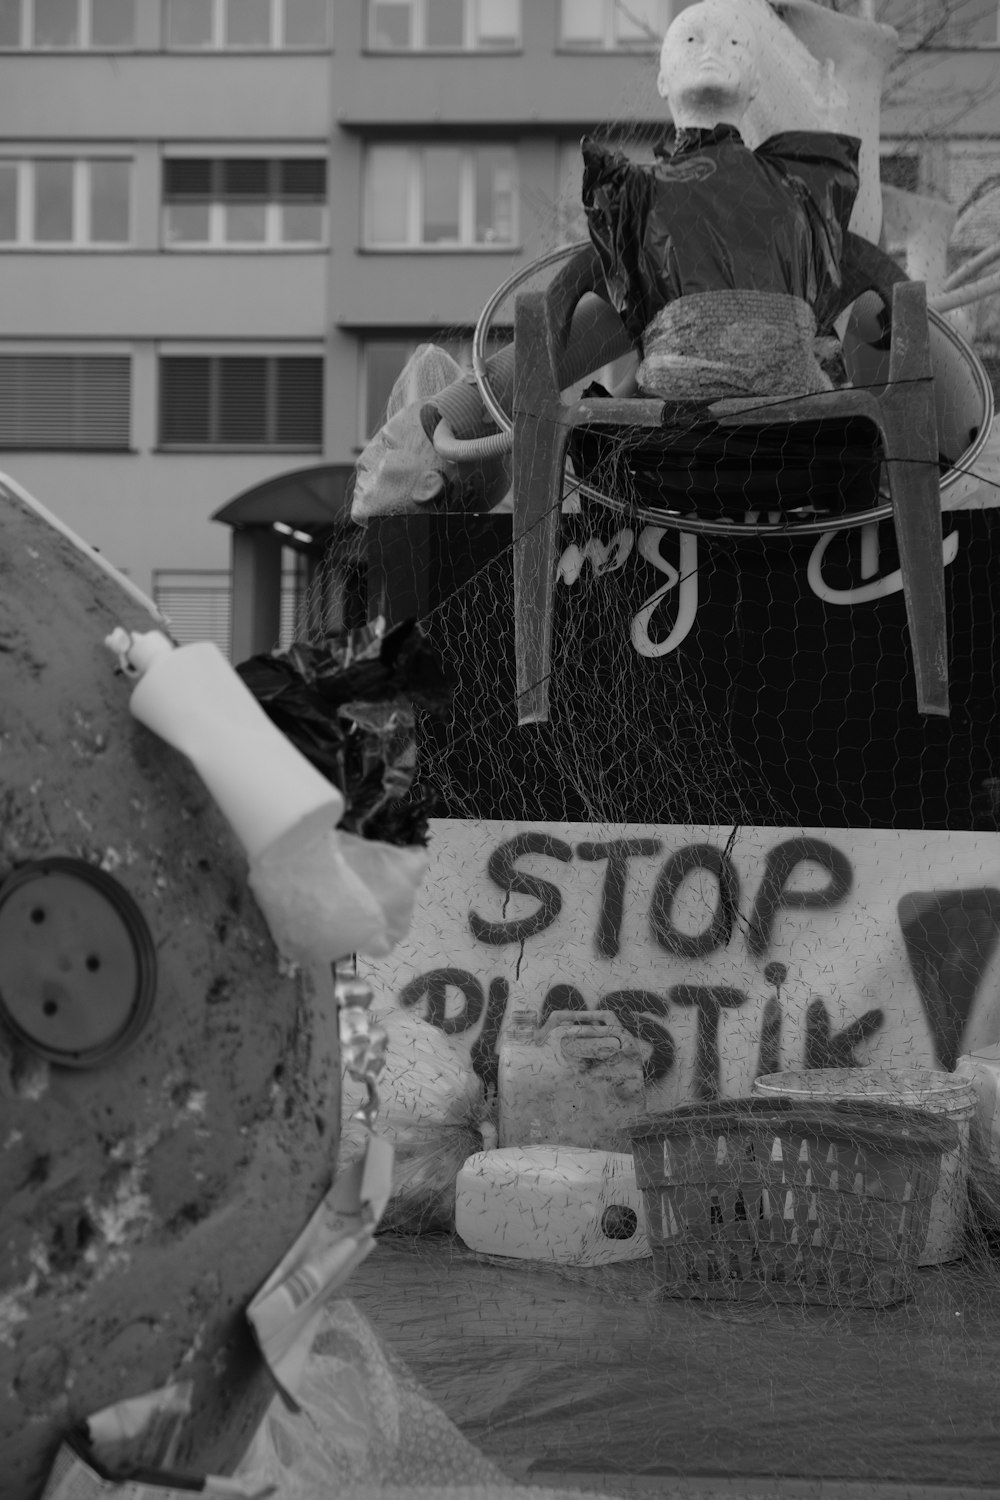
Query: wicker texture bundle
x=712, y=345
x=759, y=1200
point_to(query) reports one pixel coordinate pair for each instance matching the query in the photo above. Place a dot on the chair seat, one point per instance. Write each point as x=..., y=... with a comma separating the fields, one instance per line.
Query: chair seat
x=900, y=408
x=832, y=465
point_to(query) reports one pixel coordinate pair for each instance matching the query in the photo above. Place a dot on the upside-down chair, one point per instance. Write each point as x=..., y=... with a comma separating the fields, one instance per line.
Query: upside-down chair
x=902, y=411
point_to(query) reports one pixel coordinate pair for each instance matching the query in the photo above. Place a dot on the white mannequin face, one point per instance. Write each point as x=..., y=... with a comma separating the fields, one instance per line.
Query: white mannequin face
x=400, y=472
x=708, y=70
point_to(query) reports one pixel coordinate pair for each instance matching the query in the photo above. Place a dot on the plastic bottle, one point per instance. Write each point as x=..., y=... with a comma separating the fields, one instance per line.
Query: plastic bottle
x=190, y=696
x=560, y=1204
x=982, y=1070
x=575, y=1081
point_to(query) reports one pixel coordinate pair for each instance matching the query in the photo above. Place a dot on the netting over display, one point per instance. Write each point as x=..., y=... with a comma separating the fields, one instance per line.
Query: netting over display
x=756, y=673
x=727, y=680
x=675, y=630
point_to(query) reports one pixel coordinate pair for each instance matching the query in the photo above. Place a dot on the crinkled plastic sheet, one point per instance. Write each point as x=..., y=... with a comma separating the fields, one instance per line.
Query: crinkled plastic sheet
x=557, y=1373
x=368, y=1431
x=714, y=215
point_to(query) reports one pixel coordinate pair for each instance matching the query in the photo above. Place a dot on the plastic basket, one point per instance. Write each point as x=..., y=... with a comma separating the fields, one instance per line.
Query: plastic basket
x=936, y=1092
x=775, y=1201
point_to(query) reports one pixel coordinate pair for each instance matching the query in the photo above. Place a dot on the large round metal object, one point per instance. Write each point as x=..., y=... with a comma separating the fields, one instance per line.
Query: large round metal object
x=160, y=1149
x=77, y=962
x=963, y=398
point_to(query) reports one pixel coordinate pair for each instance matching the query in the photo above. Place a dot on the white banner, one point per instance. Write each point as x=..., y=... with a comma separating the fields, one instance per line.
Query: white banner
x=728, y=953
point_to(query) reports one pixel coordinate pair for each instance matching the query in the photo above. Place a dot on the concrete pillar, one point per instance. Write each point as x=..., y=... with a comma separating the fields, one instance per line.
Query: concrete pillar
x=256, y=596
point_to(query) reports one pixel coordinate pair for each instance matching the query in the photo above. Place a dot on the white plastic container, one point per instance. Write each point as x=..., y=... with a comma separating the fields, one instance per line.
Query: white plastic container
x=575, y=1081
x=560, y=1204
x=982, y=1070
x=917, y=1088
x=265, y=788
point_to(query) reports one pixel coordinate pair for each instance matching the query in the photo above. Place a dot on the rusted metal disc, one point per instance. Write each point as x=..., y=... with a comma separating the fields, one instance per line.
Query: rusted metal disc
x=77, y=962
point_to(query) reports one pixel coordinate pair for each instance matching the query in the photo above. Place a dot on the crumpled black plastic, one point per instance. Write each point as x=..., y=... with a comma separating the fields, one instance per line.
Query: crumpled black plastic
x=349, y=707
x=712, y=215
x=694, y=463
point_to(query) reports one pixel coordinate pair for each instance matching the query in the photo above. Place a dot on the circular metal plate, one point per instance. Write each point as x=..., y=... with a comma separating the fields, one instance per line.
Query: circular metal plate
x=77, y=962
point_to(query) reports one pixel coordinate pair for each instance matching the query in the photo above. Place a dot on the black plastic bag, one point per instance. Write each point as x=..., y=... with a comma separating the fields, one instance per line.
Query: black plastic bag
x=712, y=215
x=349, y=706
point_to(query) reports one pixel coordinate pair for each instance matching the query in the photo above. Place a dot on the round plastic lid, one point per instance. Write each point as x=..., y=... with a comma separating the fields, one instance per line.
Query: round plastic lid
x=926, y=1088
x=77, y=962
x=146, y=647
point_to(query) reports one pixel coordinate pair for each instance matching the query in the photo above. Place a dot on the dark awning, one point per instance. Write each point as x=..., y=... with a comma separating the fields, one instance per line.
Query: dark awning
x=313, y=499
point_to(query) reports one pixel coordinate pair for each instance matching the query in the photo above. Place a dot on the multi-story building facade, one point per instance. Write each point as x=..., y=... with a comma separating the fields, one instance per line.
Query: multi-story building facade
x=224, y=225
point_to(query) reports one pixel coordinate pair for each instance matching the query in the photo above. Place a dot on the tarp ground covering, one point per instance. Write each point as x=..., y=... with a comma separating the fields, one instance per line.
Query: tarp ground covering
x=556, y=1371
x=786, y=705
x=724, y=683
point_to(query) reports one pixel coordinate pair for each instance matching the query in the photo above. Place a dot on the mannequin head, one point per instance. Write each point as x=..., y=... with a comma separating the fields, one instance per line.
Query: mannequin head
x=708, y=65
x=400, y=472
x=150, y=1178
x=818, y=69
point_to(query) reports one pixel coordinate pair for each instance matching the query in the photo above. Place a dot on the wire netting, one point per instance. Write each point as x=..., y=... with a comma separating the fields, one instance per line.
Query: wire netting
x=730, y=650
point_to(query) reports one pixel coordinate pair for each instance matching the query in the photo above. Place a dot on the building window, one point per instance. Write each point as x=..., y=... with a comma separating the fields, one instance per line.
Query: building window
x=250, y=202
x=383, y=362
x=978, y=222
x=197, y=602
x=267, y=25
x=67, y=24
x=241, y=401
x=446, y=197
x=610, y=24
x=65, y=202
x=974, y=189
x=68, y=401
x=444, y=25
x=900, y=169
x=570, y=219
x=942, y=23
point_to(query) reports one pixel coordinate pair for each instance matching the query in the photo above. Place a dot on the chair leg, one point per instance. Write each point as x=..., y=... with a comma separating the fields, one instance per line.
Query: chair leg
x=542, y=424
x=539, y=461
x=909, y=425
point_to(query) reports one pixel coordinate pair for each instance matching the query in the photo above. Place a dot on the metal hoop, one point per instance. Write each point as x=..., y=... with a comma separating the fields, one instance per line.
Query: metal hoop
x=496, y=411
x=697, y=524
x=702, y=527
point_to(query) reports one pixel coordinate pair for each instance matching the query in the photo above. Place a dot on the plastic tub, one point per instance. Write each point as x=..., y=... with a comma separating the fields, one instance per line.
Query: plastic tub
x=916, y=1088
x=561, y=1204
x=574, y=1081
x=982, y=1070
x=772, y=1200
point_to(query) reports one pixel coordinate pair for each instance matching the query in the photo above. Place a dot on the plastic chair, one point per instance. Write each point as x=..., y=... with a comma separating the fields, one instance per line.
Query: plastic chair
x=902, y=410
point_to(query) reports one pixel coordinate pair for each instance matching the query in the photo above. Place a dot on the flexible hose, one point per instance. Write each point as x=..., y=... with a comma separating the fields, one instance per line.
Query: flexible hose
x=470, y=406
x=596, y=338
x=961, y=296
x=461, y=450
x=971, y=267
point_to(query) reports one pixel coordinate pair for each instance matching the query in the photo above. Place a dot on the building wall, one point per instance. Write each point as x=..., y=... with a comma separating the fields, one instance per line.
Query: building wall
x=151, y=295
x=149, y=508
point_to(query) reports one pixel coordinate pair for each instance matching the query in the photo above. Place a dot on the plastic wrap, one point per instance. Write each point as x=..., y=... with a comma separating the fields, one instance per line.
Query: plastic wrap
x=368, y=1431
x=338, y=894
x=432, y=1108
x=713, y=215
x=400, y=472
x=348, y=705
